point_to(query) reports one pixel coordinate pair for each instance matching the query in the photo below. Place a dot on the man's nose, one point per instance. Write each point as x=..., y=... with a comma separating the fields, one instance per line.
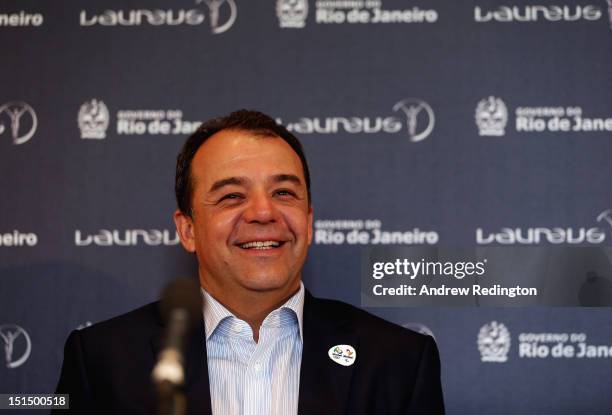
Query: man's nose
x=260, y=208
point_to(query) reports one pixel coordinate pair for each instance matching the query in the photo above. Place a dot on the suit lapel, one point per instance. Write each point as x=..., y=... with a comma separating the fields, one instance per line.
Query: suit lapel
x=324, y=384
x=197, y=387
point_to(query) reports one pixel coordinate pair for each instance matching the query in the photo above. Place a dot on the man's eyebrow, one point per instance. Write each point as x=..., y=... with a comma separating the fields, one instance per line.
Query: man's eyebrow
x=287, y=178
x=241, y=181
x=238, y=181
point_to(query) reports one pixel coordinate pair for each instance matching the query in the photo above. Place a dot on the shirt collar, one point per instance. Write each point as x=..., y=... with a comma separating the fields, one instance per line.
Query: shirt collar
x=215, y=312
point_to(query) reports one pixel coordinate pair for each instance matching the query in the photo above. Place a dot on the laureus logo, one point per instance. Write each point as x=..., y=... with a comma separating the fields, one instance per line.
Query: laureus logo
x=221, y=16
x=418, y=115
x=93, y=119
x=17, y=345
x=493, y=342
x=605, y=216
x=536, y=13
x=292, y=13
x=128, y=237
x=19, y=120
x=420, y=119
x=491, y=117
x=219, y=24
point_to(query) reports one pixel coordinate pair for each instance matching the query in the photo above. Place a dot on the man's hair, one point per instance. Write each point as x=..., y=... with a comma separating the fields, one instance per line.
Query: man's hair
x=254, y=122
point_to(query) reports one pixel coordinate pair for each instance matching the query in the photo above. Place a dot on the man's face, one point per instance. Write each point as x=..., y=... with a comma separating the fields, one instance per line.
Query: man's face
x=252, y=223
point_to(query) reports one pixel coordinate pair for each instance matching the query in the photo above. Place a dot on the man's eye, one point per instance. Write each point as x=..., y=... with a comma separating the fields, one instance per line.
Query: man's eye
x=231, y=196
x=284, y=192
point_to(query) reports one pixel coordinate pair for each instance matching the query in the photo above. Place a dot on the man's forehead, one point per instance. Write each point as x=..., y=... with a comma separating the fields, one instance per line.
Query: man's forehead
x=246, y=181
x=244, y=154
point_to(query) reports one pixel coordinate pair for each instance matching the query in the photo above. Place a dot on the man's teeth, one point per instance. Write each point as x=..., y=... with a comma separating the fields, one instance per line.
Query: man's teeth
x=260, y=245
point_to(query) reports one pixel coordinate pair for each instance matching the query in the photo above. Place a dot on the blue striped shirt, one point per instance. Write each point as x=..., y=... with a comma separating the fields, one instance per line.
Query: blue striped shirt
x=254, y=378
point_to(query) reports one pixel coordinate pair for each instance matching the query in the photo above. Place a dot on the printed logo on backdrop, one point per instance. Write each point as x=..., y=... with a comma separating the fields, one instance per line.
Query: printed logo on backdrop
x=494, y=345
x=591, y=235
x=560, y=345
x=493, y=342
x=420, y=118
x=610, y=12
x=220, y=14
x=538, y=13
x=18, y=120
x=21, y=19
x=154, y=122
x=605, y=216
x=218, y=23
x=292, y=13
x=368, y=232
x=415, y=118
x=93, y=119
x=492, y=113
x=17, y=239
x=491, y=117
x=370, y=12
x=127, y=237
x=17, y=345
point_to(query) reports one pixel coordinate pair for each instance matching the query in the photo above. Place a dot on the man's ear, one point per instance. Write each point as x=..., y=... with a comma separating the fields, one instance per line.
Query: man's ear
x=185, y=229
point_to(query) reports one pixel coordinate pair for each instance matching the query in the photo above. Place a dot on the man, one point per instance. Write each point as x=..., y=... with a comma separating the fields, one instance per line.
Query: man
x=265, y=345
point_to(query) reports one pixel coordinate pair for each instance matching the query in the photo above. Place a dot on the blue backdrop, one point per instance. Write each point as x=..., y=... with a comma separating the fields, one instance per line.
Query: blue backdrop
x=468, y=123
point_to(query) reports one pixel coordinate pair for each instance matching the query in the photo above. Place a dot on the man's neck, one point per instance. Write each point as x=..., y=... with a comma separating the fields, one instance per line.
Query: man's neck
x=249, y=305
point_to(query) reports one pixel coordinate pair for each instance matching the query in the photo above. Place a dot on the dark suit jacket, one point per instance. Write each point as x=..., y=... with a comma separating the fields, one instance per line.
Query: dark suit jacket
x=107, y=367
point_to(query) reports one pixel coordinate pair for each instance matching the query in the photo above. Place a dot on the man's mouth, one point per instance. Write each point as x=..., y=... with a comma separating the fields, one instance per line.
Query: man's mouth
x=261, y=245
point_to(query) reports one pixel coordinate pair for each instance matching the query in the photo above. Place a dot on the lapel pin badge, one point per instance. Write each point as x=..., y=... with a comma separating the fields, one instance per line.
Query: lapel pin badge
x=343, y=354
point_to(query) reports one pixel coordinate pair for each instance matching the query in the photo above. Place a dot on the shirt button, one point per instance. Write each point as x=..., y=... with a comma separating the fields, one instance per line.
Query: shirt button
x=257, y=366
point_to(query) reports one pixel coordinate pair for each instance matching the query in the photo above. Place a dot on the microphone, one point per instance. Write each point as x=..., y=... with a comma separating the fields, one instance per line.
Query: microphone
x=181, y=309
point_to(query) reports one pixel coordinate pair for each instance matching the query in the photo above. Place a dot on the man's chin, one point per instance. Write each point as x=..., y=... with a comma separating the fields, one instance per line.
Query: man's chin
x=267, y=283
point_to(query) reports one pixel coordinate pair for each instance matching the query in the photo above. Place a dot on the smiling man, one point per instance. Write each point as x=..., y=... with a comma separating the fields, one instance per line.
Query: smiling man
x=265, y=345
x=245, y=212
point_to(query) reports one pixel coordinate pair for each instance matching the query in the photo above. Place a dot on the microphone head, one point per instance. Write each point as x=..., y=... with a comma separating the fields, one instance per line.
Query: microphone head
x=182, y=294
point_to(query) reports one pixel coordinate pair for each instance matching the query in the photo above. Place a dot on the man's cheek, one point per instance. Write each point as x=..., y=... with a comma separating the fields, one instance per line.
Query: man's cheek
x=226, y=223
x=296, y=221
